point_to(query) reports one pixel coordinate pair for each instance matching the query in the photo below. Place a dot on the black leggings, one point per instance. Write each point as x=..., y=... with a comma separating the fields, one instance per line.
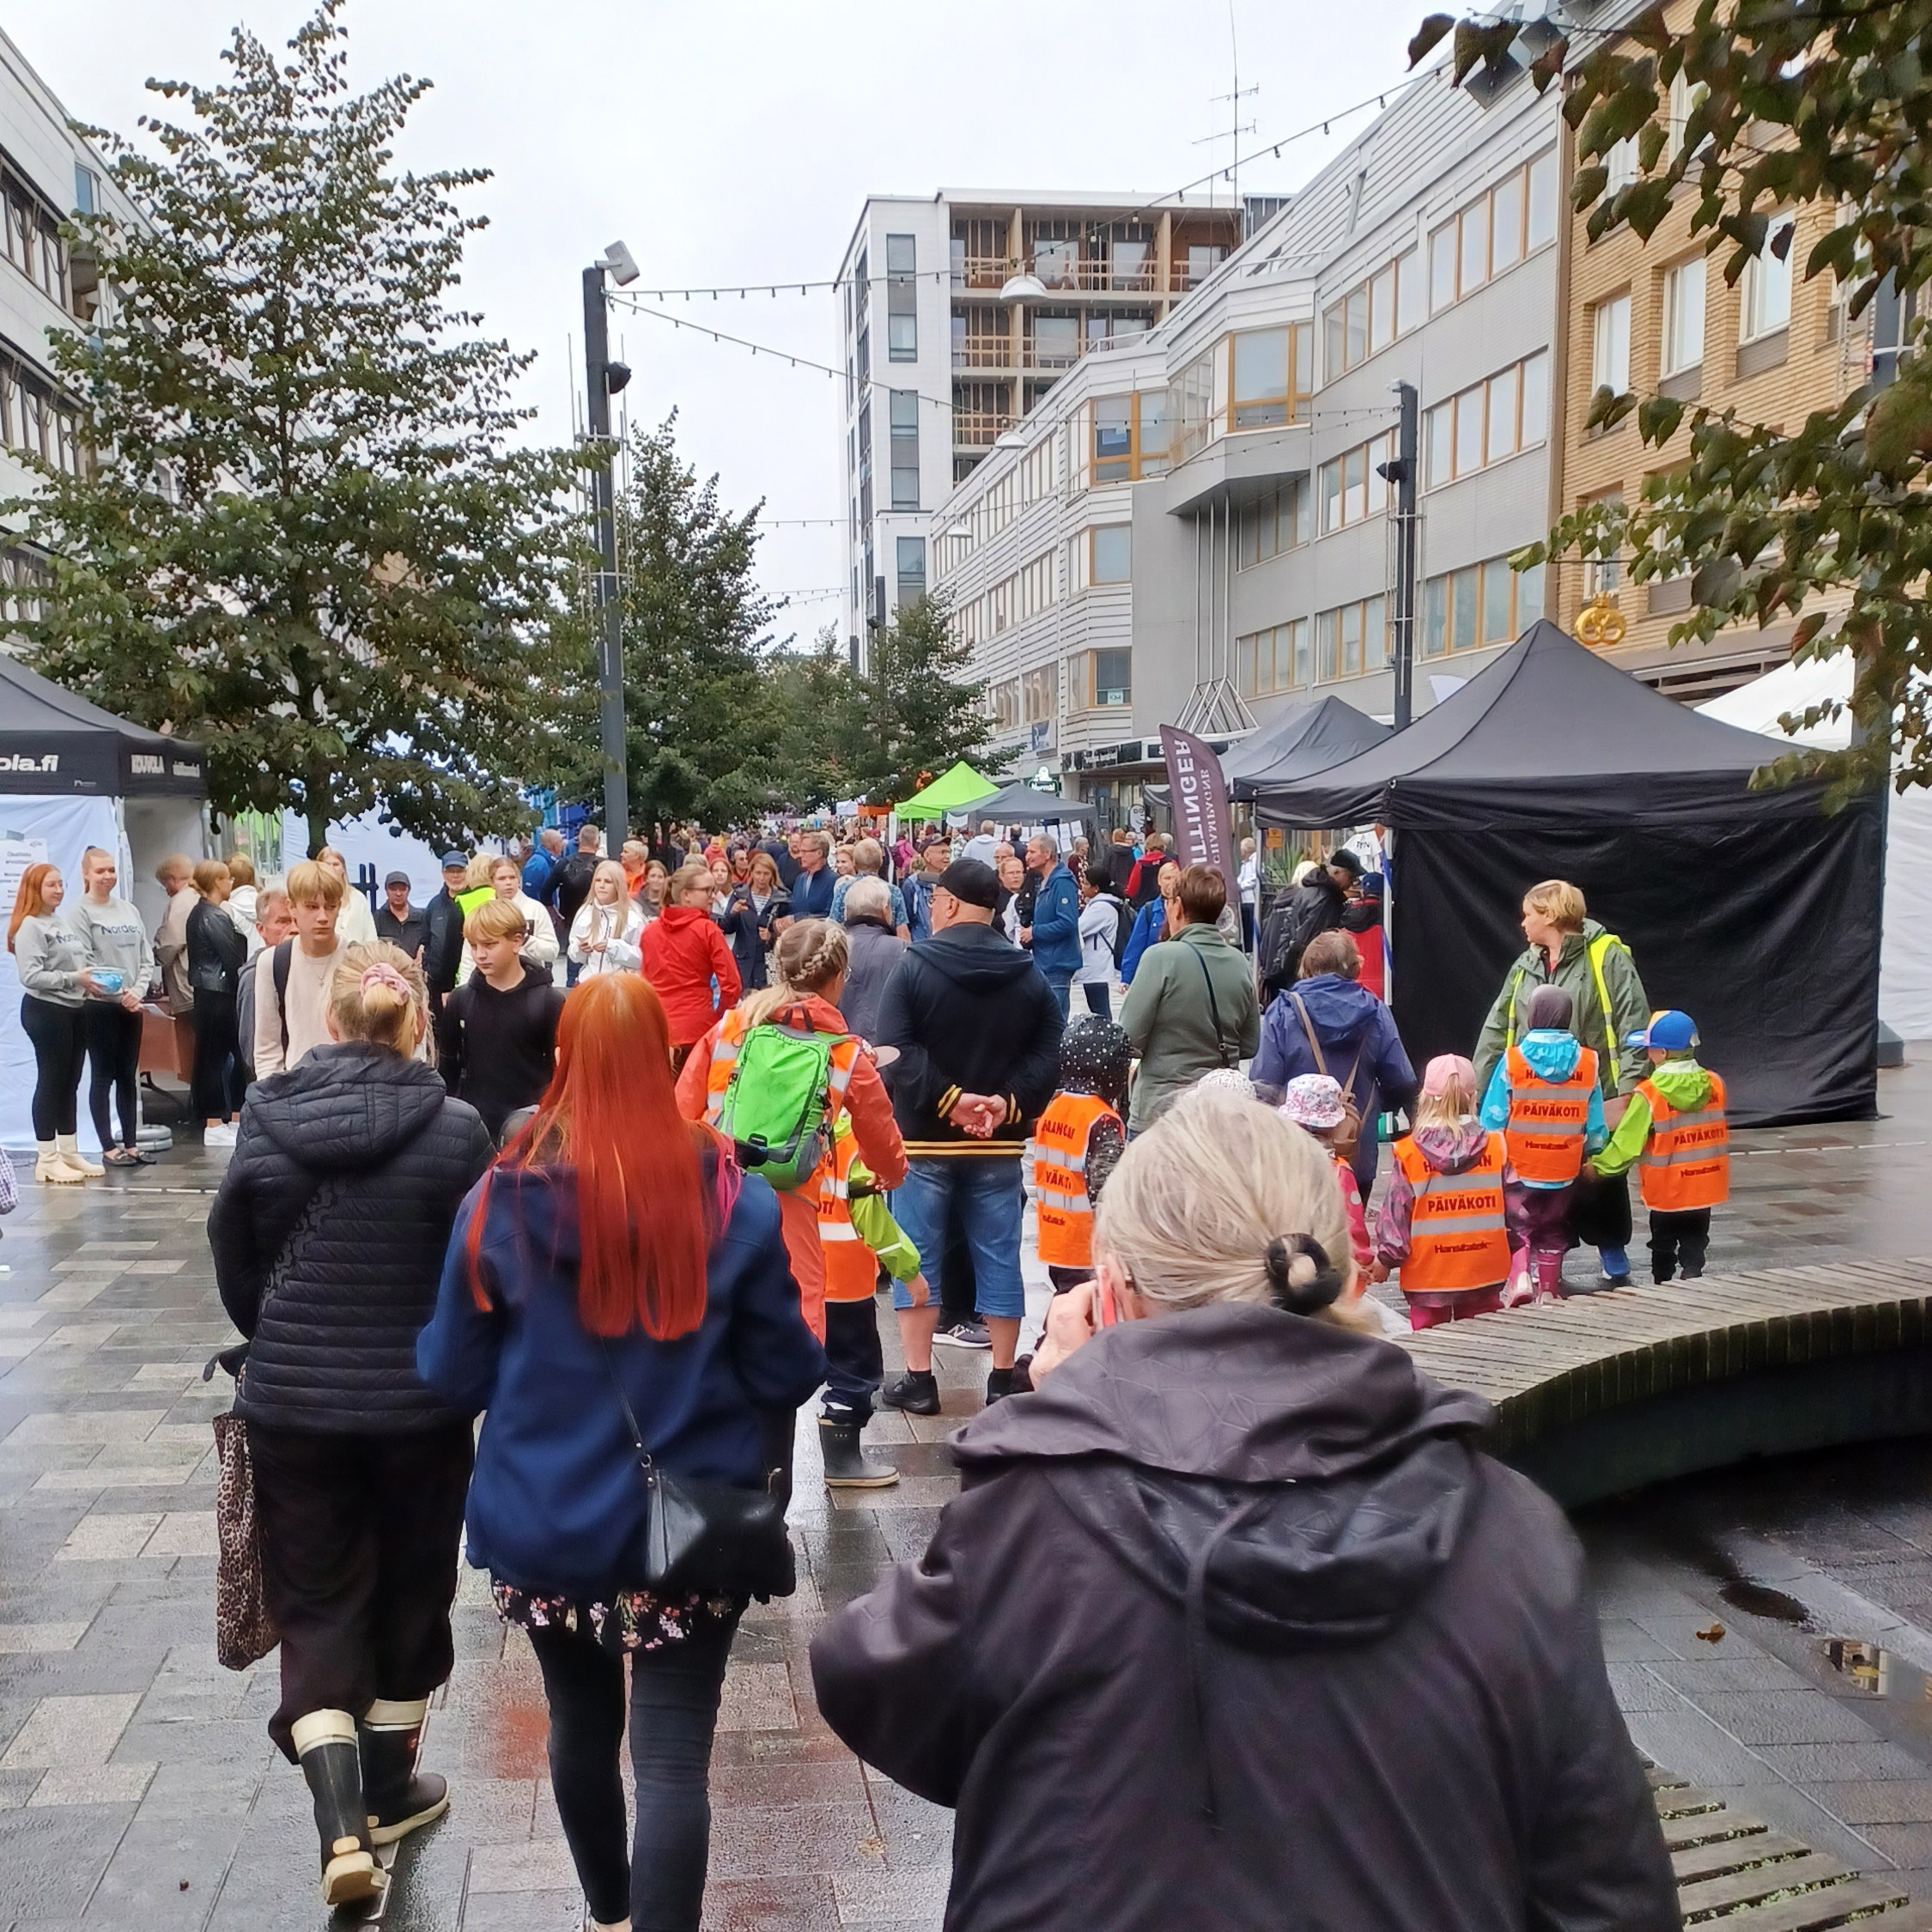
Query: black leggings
x=59, y=1046
x=217, y=1047
x=114, y=1037
x=674, y=1693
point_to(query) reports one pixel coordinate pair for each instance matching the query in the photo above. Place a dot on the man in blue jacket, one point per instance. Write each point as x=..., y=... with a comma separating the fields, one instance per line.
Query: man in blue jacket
x=1054, y=934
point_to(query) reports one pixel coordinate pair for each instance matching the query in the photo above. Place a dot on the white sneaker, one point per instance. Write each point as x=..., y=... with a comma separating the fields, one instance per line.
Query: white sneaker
x=221, y=1136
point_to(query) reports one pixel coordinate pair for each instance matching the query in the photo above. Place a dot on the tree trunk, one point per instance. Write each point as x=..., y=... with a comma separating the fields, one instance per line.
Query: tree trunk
x=320, y=797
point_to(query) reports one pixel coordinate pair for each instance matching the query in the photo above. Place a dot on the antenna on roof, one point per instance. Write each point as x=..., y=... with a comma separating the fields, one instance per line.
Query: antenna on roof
x=1234, y=99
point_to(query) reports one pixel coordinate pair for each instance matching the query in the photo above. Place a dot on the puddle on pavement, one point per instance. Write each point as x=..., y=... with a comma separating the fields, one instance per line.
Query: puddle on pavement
x=1759, y=1600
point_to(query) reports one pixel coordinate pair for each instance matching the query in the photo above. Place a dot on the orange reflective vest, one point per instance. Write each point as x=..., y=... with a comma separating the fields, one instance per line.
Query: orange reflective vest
x=1547, y=1118
x=850, y=1267
x=724, y=1061
x=1458, y=1238
x=1687, y=1162
x=1060, y=1177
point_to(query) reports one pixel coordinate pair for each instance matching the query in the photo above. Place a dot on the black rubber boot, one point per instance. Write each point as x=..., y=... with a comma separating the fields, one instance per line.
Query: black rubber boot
x=916, y=1394
x=397, y=1796
x=325, y=1748
x=846, y=1464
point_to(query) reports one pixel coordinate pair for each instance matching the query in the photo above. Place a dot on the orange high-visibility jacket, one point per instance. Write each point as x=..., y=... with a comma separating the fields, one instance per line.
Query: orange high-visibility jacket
x=850, y=1267
x=1458, y=1238
x=1687, y=1162
x=1060, y=1177
x=1547, y=1118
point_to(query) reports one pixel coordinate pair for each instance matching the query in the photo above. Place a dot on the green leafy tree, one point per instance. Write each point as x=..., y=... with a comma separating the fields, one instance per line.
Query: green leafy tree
x=1791, y=103
x=821, y=745
x=701, y=730
x=919, y=709
x=308, y=540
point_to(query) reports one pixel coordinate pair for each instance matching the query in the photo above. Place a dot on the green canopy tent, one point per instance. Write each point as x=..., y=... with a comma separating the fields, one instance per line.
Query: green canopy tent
x=952, y=791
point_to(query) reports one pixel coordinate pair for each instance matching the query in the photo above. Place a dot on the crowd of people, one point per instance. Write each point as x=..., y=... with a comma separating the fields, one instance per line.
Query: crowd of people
x=616, y=1154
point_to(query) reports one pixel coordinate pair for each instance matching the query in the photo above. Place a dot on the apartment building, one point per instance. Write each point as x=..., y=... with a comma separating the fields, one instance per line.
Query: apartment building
x=46, y=175
x=1194, y=528
x=1658, y=317
x=960, y=312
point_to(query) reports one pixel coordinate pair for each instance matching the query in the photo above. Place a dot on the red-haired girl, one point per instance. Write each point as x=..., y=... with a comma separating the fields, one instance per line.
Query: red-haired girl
x=616, y=1254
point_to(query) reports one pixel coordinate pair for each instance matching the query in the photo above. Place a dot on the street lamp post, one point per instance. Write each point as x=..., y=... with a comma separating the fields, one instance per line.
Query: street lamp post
x=604, y=379
x=1402, y=472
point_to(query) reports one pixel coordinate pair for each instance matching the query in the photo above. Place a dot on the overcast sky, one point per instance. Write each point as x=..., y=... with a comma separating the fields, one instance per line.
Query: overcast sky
x=730, y=141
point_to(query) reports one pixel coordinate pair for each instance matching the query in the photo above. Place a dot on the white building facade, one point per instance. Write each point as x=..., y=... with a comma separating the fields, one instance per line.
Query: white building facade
x=1215, y=535
x=940, y=362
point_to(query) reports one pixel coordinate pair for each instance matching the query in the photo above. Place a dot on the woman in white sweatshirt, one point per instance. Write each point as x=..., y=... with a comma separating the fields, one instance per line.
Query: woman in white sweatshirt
x=607, y=934
x=116, y=942
x=56, y=977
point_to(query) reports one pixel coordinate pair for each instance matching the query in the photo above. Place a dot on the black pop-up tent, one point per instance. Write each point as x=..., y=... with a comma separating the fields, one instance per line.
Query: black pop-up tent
x=1754, y=911
x=52, y=742
x=1020, y=804
x=1300, y=743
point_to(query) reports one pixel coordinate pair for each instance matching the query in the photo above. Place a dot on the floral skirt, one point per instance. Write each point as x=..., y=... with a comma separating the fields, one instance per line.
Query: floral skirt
x=631, y=1620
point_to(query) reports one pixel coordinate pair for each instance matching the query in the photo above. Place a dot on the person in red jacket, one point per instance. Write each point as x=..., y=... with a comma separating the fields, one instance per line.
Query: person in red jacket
x=687, y=960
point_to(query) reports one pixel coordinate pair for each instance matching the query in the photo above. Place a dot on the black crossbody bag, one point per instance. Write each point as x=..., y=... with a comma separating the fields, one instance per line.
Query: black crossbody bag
x=701, y=1536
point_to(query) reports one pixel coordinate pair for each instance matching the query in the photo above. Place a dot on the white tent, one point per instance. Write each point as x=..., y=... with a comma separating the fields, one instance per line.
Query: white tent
x=1906, y=953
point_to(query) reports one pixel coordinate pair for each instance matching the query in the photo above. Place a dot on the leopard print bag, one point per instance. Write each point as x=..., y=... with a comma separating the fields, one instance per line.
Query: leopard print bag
x=245, y=1630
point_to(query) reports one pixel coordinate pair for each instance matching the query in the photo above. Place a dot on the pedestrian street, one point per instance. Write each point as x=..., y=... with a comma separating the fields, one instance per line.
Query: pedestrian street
x=142, y=1790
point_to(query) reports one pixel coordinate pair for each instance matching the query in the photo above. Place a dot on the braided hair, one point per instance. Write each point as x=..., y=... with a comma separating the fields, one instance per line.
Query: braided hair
x=810, y=955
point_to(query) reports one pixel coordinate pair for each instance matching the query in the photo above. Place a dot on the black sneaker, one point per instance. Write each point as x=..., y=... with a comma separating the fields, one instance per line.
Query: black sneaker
x=999, y=1385
x=917, y=1395
x=965, y=1334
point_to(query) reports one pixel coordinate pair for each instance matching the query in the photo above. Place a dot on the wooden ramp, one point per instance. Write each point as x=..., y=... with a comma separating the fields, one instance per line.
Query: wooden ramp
x=1606, y=1393
x=1735, y=1874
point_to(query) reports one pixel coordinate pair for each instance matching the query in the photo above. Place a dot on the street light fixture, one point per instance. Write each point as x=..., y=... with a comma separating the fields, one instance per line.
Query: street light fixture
x=603, y=379
x=1022, y=288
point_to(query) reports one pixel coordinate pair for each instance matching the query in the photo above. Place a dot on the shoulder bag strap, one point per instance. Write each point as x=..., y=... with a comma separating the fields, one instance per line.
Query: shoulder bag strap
x=1314, y=1045
x=1214, y=1010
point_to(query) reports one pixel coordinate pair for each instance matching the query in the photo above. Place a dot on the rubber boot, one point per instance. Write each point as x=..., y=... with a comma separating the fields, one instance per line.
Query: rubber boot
x=51, y=1170
x=70, y=1152
x=846, y=1465
x=397, y=1797
x=325, y=1744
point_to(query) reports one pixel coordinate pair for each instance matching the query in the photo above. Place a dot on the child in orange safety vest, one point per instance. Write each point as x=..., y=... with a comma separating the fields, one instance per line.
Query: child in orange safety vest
x=1445, y=1222
x=859, y=1236
x=1077, y=1143
x=1543, y=1099
x=1674, y=1132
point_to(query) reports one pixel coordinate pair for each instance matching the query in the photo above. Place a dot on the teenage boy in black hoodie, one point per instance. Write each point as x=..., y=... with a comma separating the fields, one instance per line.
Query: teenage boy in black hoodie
x=496, y=1037
x=977, y=1030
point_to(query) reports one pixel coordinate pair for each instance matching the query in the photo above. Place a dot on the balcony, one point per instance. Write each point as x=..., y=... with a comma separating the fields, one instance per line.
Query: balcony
x=1002, y=352
x=981, y=429
x=1095, y=275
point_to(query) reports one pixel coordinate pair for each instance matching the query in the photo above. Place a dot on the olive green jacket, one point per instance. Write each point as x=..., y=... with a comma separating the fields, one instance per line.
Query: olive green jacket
x=1169, y=1017
x=1618, y=1067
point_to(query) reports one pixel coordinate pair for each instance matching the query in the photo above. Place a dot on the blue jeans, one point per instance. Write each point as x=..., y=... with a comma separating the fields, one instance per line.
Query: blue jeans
x=986, y=1189
x=1062, y=990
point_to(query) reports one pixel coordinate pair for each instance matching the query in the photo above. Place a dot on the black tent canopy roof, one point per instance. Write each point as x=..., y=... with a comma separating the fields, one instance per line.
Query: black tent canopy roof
x=51, y=741
x=1020, y=804
x=1549, y=734
x=1303, y=741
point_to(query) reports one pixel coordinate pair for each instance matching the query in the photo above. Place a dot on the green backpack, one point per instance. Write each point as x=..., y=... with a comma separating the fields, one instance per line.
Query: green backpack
x=780, y=1103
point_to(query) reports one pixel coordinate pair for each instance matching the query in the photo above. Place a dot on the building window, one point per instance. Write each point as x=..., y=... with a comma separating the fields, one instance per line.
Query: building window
x=1274, y=661
x=1194, y=407
x=31, y=233
x=1487, y=422
x=35, y=421
x=1131, y=259
x=26, y=577
x=1270, y=377
x=1487, y=603
x=1056, y=339
x=87, y=190
x=1683, y=307
x=905, y=449
x=1620, y=164
x=1005, y=702
x=902, y=298
x=1129, y=436
x=911, y=560
x=1610, y=345
x=1112, y=557
x=1494, y=232
x=1040, y=695
x=1279, y=522
x=1349, y=487
x=1766, y=305
x=1686, y=98
x=1113, y=677
x=1350, y=640
x=1203, y=259
x=1363, y=322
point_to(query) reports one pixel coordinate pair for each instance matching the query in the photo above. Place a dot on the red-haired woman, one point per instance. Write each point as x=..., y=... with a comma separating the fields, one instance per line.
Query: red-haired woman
x=56, y=968
x=615, y=1254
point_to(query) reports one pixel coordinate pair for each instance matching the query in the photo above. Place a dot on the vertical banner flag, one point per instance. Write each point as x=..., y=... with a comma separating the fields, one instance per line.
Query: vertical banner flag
x=1203, y=830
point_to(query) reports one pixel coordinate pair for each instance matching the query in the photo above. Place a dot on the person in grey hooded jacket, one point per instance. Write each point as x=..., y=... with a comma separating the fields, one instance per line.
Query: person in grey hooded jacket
x=1232, y=1625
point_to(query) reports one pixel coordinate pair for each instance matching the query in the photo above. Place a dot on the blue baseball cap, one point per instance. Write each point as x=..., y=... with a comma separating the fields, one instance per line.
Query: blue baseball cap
x=1669, y=1031
x=452, y=860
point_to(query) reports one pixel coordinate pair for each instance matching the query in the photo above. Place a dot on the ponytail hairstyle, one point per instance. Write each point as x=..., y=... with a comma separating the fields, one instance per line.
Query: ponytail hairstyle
x=810, y=955
x=376, y=994
x=611, y=1114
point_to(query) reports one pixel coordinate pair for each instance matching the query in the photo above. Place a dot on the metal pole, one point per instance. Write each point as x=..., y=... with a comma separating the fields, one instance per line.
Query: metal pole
x=609, y=611
x=1406, y=465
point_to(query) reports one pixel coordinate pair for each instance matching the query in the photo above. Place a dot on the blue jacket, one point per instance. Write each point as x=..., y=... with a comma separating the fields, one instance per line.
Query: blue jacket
x=1355, y=1029
x=1056, y=925
x=536, y=871
x=1146, y=931
x=1552, y=1052
x=812, y=893
x=556, y=1503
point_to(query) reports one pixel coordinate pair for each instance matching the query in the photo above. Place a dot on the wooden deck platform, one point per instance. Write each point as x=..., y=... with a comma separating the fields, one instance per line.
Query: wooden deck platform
x=1602, y=1394
x=1735, y=1874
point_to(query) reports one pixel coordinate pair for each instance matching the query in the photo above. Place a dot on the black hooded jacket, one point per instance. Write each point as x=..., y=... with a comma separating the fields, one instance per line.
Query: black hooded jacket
x=329, y=1232
x=1233, y=1627
x=969, y=1013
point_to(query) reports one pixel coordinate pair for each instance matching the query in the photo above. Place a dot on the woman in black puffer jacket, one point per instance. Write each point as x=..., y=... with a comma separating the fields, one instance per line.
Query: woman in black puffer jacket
x=328, y=1236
